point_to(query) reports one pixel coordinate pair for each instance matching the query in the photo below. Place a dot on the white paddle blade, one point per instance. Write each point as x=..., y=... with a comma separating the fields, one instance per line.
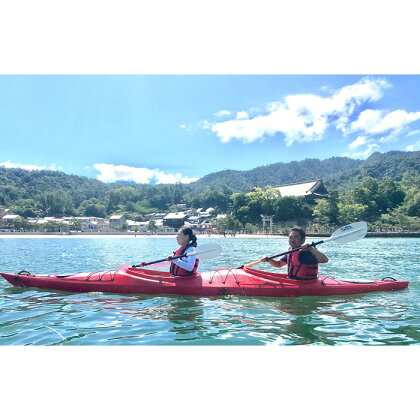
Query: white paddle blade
x=160, y=264
x=349, y=233
x=207, y=251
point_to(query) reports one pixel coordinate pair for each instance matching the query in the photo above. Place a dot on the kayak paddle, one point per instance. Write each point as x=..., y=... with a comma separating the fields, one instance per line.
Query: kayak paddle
x=206, y=252
x=343, y=235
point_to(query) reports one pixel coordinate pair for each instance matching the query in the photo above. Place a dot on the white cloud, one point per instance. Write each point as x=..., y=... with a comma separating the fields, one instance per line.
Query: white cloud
x=183, y=126
x=371, y=148
x=205, y=125
x=113, y=173
x=358, y=142
x=9, y=164
x=349, y=98
x=413, y=147
x=376, y=122
x=413, y=133
x=396, y=120
x=367, y=120
x=303, y=117
x=392, y=136
x=242, y=115
x=223, y=113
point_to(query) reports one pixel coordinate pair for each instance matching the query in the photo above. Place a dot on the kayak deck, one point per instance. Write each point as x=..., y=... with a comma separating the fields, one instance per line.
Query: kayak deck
x=224, y=281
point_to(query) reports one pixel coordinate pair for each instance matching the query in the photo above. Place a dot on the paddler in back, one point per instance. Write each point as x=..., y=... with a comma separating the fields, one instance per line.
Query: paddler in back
x=302, y=264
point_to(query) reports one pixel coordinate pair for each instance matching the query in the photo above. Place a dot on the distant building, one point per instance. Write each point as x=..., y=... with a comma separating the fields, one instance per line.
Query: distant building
x=175, y=220
x=310, y=190
x=206, y=226
x=91, y=224
x=137, y=226
x=8, y=221
x=3, y=212
x=159, y=216
x=117, y=221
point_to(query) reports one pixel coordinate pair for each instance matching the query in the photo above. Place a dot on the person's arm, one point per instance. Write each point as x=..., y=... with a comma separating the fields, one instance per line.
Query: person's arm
x=187, y=263
x=320, y=257
x=274, y=263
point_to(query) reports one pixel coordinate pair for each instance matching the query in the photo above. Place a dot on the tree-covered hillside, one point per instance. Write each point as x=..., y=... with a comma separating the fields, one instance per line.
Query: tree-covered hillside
x=51, y=193
x=391, y=165
x=23, y=184
x=276, y=174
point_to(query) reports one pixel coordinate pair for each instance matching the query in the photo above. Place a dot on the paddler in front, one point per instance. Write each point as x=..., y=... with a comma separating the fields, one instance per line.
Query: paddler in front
x=302, y=264
x=185, y=266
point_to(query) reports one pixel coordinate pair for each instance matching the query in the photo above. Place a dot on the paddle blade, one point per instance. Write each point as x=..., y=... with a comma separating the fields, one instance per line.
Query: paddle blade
x=206, y=251
x=349, y=233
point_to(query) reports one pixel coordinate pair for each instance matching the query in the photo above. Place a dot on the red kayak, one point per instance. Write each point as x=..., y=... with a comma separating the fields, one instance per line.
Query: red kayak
x=224, y=281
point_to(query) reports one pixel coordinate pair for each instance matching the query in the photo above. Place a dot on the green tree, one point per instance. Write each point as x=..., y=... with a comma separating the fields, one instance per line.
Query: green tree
x=411, y=204
x=152, y=225
x=22, y=224
x=390, y=195
x=232, y=224
x=95, y=210
x=249, y=227
x=291, y=208
x=321, y=212
x=243, y=214
x=365, y=193
x=228, y=223
x=51, y=226
x=57, y=203
x=75, y=224
x=349, y=213
x=326, y=210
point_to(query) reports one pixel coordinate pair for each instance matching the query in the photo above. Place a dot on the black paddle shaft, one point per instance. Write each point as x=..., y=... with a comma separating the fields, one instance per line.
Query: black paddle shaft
x=157, y=261
x=288, y=252
x=294, y=250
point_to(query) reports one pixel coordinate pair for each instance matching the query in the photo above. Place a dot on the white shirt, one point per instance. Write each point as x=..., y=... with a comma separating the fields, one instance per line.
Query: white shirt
x=187, y=263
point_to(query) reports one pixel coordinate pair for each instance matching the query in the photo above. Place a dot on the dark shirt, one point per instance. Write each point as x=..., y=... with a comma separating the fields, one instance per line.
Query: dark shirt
x=305, y=257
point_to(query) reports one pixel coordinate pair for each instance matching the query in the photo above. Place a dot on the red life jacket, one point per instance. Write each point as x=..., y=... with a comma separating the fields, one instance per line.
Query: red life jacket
x=297, y=270
x=177, y=270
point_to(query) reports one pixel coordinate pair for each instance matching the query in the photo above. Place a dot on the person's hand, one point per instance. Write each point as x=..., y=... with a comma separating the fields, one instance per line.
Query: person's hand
x=170, y=258
x=308, y=247
x=143, y=263
x=264, y=259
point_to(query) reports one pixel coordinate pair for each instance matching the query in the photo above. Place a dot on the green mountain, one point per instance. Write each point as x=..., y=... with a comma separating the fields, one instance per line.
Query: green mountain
x=391, y=165
x=336, y=172
x=24, y=184
x=52, y=192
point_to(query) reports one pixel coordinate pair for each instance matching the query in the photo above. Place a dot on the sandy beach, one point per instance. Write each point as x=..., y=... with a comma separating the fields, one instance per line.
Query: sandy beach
x=96, y=235
x=126, y=235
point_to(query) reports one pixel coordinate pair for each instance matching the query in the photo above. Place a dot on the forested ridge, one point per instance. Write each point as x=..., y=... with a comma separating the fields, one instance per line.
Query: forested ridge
x=350, y=183
x=277, y=174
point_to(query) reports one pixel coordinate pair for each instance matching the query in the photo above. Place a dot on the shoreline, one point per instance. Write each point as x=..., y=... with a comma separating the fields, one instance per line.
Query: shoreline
x=96, y=235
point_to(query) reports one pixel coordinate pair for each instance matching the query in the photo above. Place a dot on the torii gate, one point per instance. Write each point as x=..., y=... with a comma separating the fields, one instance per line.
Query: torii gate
x=267, y=219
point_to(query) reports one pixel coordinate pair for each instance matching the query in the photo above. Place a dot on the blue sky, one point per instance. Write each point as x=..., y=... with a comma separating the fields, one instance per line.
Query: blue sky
x=168, y=128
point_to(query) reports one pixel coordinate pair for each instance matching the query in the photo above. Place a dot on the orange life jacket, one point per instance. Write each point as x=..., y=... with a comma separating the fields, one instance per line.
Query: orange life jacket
x=176, y=270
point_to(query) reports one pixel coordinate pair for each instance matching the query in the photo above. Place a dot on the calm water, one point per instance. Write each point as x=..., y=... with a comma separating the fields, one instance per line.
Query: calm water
x=39, y=317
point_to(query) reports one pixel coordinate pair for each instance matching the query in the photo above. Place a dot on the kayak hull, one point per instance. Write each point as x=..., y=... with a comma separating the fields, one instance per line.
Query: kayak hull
x=224, y=281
